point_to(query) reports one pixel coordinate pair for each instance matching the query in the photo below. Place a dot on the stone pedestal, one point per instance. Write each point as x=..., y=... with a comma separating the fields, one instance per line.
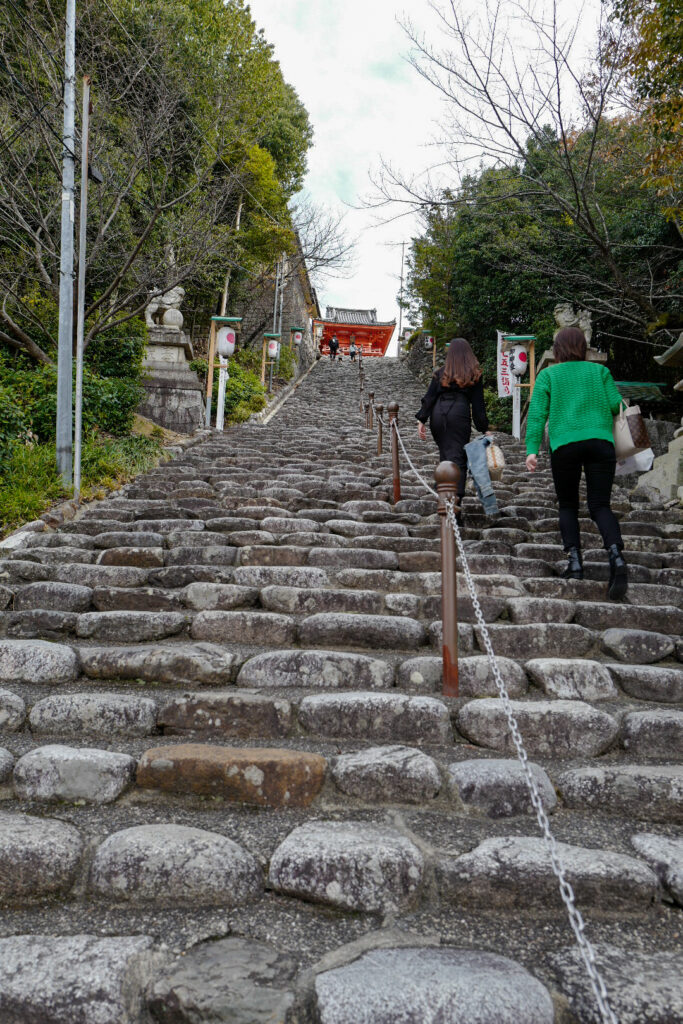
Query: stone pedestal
x=173, y=393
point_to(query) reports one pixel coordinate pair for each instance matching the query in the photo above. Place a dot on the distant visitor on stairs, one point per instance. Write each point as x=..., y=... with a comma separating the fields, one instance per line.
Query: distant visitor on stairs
x=454, y=398
x=579, y=401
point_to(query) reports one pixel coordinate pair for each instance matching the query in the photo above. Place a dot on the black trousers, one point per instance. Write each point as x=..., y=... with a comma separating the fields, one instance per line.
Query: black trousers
x=597, y=459
x=451, y=427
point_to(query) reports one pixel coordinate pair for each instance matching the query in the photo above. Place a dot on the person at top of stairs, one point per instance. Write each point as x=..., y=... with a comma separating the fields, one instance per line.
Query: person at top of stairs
x=579, y=400
x=455, y=396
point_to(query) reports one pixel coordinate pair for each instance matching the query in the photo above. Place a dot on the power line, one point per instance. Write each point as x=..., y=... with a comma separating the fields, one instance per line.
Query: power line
x=38, y=110
x=39, y=38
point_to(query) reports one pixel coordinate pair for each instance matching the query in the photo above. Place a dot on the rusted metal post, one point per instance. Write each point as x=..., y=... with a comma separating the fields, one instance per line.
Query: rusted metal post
x=371, y=396
x=447, y=476
x=392, y=409
x=380, y=410
x=367, y=415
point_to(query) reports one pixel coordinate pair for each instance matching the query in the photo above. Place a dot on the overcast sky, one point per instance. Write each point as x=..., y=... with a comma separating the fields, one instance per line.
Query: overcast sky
x=347, y=61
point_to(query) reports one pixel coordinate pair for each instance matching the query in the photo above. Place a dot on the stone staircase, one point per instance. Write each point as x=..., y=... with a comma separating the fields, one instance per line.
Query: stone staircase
x=233, y=790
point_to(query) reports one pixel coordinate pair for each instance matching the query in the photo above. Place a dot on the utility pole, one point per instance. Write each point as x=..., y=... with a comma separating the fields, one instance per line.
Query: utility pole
x=80, y=321
x=400, y=301
x=66, y=267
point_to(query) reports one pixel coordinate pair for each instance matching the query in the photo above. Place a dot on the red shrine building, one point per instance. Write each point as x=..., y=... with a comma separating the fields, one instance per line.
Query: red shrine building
x=358, y=325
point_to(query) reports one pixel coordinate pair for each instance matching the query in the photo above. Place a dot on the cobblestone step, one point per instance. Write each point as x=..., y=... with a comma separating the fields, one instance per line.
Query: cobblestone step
x=224, y=734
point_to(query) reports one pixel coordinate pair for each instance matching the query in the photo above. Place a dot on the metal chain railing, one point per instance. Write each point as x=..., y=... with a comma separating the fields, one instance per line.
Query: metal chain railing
x=566, y=892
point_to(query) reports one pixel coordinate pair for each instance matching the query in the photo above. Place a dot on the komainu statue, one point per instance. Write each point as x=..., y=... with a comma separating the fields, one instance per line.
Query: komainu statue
x=164, y=310
x=566, y=316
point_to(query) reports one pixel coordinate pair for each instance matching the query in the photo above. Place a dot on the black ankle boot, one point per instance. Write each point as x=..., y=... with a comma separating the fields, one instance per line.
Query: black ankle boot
x=574, y=570
x=618, y=574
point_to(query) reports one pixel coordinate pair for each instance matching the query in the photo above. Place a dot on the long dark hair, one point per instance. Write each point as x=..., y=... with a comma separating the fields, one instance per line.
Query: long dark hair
x=461, y=366
x=569, y=345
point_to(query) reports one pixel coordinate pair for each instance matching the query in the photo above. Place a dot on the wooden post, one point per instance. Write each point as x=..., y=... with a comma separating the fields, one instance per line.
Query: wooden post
x=209, y=372
x=380, y=410
x=263, y=363
x=447, y=476
x=371, y=396
x=392, y=409
x=434, y=354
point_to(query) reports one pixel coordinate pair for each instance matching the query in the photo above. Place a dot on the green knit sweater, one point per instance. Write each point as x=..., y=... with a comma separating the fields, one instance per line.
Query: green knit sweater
x=578, y=400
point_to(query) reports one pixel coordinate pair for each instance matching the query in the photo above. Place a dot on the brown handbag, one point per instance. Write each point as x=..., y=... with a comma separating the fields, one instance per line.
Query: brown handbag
x=629, y=432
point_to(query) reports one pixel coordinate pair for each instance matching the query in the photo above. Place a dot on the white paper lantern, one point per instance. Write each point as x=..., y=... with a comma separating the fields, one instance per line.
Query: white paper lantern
x=273, y=347
x=298, y=338
x=225, y=341
x=429, y=342
x=519, y=360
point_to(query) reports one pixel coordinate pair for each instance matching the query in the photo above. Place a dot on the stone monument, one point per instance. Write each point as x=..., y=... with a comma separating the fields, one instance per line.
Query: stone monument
x=173, y=393
x=566, y=316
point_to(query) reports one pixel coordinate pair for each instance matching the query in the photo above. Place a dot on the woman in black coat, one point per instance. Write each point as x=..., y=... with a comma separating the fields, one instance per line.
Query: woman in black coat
x=454, y=398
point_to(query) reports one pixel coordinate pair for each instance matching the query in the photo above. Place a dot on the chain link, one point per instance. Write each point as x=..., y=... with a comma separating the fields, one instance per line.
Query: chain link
x=566, y=892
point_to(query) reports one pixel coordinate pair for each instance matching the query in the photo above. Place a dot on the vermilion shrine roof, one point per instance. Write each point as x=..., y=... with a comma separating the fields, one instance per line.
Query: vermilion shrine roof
x=361, y=317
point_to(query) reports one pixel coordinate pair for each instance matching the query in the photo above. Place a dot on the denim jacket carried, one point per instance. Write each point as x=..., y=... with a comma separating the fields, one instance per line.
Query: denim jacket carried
x=478, y=467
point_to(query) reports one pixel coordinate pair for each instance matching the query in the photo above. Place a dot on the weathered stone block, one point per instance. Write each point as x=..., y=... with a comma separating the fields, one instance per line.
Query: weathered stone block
x=265, y=777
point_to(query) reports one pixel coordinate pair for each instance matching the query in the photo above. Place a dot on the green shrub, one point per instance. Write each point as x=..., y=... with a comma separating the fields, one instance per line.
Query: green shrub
x=13, y=425
x=118, y=352
x=498, y=410
x=29, y=482
x=288, y=363
x=109, y=403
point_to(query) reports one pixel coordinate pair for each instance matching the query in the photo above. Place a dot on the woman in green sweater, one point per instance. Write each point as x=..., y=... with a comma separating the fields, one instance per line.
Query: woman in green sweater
x=579, y=401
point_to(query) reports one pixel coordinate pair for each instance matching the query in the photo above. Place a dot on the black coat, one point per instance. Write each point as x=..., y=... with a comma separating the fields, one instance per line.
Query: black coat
x=474, y=396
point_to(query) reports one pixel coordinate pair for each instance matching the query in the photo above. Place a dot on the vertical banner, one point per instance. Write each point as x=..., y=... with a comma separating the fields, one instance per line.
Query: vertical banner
x=505, y=382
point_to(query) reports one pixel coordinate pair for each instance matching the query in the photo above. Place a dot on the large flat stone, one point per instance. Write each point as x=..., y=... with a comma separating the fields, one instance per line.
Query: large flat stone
x=654, y=733
x=143, y=558
x=665, y=857
x=431, y=986
x=171, y=864
x=532, y=610
x=516, y=871
x=12, y=711
x=135, y=627
x=663, y=619
x=244, y=627
x=79, y=714
x=646, y=792
x=65, y=597
x=571, y=679
x=38, y=857
x=328, y=670
x=264, y=777
x=353, y=558
x=642, y=988
x=235, y=714
x=545, y=640
x=231, y=981
x=498, y=787
x=6, y=765
x=36, y=661
x=75, y=979
x=352, y=865
x=551, y=728
x=219, y=596
x=387, y=774
x=383, y=631
x=280, y=576
x=377, y=716
x=177, y=664
x=638, y=646
x=309, y=600
x=73, y=774
x=647, y=682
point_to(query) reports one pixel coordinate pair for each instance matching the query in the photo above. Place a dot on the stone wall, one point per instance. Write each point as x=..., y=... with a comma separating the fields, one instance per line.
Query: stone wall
x=258, y=315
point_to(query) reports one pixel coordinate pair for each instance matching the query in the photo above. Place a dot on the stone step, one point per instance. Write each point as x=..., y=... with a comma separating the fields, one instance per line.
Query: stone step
x=516, y=872
x=551, y=728
x=264, y=777
x=381, y=717
x=645, y=792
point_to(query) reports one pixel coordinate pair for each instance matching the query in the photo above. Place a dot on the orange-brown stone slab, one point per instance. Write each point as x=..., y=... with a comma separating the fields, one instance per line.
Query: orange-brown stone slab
x=250, y=775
